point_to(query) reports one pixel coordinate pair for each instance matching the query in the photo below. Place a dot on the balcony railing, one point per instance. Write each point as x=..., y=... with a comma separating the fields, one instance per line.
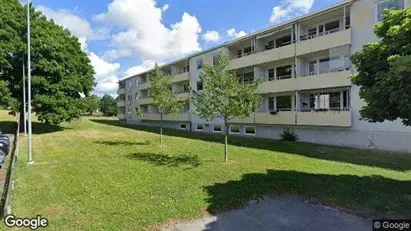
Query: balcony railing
x=327, y=32
x=345, y=67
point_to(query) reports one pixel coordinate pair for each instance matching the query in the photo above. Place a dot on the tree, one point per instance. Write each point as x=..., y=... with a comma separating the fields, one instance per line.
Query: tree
x=108, y=105
x=61, y=71
x=224, y=96
x=163, y=97
x=384, y=70
x=91, y=104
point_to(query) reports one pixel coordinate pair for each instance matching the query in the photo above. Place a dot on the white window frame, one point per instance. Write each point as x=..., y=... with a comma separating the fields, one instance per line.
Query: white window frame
x=202, y=127
x=236, y=133
x=221, y=128
x=185, y=126
x=250, y=134
x=381, y=1
x=202, y=63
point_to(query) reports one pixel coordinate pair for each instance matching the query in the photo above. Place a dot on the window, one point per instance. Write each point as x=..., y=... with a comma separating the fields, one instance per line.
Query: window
x=284, y=72
x=183, y=126
x=324, y=65
x=312, y=67
x=136, y=96
x=199, y=86
x=387, y=4
x=335, y=100
x=270, y=45
x=332, y=27
x=312, y=32
x=216, y=56
x=249, y=130
x=284, y=103
x=217, y=128
x=239, y=53
x=347, y=22
x=199, y=127
x=283, y=41
x=248, y=50
x=313, y=101
x=248, y=77
x=271, y=75
x=186, y=88
x=199, y=63
x=235, y=129
x=346, y=99
x=271, y=104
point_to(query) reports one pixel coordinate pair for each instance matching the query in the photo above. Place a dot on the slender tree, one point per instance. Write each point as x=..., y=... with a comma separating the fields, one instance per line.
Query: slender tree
x=384, y=70
x=223, y=96
x=163, y=98
x=61, y=71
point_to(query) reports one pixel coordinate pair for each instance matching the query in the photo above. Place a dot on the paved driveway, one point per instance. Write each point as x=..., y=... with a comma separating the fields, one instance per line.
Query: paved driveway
x=279, y=213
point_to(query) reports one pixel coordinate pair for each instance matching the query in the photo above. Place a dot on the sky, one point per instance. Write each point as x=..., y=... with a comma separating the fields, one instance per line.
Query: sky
x=126, y=37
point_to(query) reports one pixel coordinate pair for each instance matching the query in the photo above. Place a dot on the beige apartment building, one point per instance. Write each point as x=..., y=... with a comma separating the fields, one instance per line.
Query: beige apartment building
x=306, y=68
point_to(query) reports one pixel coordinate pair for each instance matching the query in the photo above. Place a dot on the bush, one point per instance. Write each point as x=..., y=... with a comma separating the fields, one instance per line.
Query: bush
x=288, y=135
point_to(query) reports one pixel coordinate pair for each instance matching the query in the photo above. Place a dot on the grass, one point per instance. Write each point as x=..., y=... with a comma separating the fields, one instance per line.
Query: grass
x=96, y=174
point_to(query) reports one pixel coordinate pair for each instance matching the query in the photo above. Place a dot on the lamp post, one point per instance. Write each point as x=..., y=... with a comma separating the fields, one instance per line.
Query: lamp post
x=30, y=159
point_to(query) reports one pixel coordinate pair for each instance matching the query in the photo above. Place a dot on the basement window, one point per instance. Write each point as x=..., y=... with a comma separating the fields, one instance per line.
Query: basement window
x=235, y=129
x=199, y=127
x=249, y=130
x=217, y=128
x=183, y=126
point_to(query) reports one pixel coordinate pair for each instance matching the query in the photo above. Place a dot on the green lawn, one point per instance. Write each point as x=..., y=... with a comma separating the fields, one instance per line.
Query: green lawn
x=96, y=174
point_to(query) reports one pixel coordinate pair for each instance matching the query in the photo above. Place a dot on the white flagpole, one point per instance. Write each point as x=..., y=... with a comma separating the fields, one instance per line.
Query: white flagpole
x=24, y=99
x=30, y=160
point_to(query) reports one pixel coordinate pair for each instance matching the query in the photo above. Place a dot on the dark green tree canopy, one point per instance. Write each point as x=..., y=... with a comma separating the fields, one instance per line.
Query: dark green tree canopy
x=108, y=105
x=91, y=104
x=61, y=71
x=384, y=70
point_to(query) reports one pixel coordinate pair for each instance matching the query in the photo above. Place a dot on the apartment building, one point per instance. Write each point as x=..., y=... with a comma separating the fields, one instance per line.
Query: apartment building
x=306, y=68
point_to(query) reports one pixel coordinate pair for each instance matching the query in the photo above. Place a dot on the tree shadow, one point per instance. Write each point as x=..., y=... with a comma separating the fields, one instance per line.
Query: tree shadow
x=383, y=159
x=166, y=160
x=9, y=127
x=374, y=195
x=122, y=142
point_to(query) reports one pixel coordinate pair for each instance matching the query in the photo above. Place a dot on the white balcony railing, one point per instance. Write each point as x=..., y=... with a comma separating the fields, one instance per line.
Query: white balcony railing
x=327, y=32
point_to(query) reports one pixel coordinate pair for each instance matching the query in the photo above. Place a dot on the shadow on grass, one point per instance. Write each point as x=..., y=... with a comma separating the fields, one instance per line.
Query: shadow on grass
x=9, y=127
x=122, y=142
x=388, y=160
x=368, y=194
x=165, y=160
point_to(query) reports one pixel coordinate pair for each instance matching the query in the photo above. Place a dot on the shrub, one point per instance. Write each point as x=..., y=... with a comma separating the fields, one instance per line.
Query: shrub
x=288, y=135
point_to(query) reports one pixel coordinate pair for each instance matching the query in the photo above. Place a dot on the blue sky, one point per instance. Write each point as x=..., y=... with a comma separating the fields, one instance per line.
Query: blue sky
x=125, y=37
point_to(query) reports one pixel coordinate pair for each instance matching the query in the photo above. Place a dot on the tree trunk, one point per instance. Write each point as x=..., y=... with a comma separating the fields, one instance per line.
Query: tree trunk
x=161, y=129
x=225, y=140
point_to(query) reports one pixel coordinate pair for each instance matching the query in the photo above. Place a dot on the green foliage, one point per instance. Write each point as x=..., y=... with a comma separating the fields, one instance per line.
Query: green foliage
x=223, y=96
x=91, y=104
x=384, y=70
x=163, y=98
x=288, y=135
x=61, y=71
x=108, y=105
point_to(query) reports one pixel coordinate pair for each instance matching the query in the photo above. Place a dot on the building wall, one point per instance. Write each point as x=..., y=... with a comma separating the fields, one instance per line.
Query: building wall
x=384, y=136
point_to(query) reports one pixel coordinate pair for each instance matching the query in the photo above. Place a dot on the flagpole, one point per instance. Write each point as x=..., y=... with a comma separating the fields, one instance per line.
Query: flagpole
x=24, y=99
x=30, y=159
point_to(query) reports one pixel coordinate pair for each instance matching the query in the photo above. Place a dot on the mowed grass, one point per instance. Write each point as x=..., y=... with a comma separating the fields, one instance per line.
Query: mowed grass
x=96, y=174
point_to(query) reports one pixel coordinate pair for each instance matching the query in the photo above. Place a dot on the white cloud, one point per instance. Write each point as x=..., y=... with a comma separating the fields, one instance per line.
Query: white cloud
x=106, y=75
x=165, y=7
x=233, y=33
x=78, y=26
x=143, y=33
x=211, y=36
x=144, y=66
x=289, y=9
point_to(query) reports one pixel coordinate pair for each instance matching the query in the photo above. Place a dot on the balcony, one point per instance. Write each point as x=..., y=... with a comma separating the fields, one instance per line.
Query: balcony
x=335, y=118
x=145, y=101
x=182, y=95
x=175, y=117
x=144, y=85
x=121, y=103
x=254, y=58
x=327, y=40
x=325, y=79
x=280, y=85
x=180, y=77
x=121, y=91
x=121, y=116
x=281, y=117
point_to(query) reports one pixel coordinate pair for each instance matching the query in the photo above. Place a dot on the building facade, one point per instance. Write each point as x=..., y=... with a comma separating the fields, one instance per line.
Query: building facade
x=306, y=68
